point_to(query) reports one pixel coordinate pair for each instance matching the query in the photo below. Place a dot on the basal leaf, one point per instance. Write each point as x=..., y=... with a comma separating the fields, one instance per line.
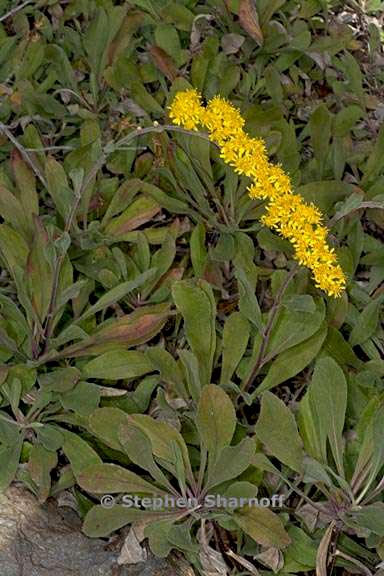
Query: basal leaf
x=215, y=420
x=196, y=303
x=282, y=441
x=263, y=526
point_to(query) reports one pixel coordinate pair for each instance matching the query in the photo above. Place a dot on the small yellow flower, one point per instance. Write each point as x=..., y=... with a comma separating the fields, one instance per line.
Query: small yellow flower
x=286, y=212
x=186, y=109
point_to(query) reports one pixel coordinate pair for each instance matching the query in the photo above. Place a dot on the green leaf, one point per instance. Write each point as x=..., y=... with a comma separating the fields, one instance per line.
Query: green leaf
x=298, y=320
x=192, y=374
x=370, y=517
x=138, y=447
x=301, y=553
x=235, y=340
x=199, y=252
x=110, y=479
x=170, y=372
x=58, y=187
x=282, y=440
x=196, y=303
x=39, y=271
x=157, y=534
x=11, y=442
x=83, y=398
x=13, y=248
x=263, y=526
x=161, y=260
x=202, y=61
x=248, y=303
x=215, y=420
x=118, y=364
x=105, y=423
x=328, y=402
x=326, y=193
x=294, y=360
x=101, y=521
x=40, y=464
x=375, y=161
x=320, y=128
x=118, y=293
x=79, y=453
x=173, y=205
x=346, y=119
x=13, y=212
x=232, y=462
x=59, y=61
x=163, y=438
x=366, y=324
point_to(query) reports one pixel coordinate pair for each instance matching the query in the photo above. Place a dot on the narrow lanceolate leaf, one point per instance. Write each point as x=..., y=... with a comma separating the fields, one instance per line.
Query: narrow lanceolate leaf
x=13, y=249
x=142, y=210
x=79, y=452
x=118, y=292
x=58, y=187
x=294, y=360
x=235, y=340
x=118, y=364
x=127, y=331
x=10, y=449
x=12, y=211
x=367, y=323
x=232, y=462
x=101, y=521
x=40, y=464
x=215, y=420
x=110, y=478
x=196, y=303
x=40, y=271
x=263, y=526
x=277, y=430
x=164, y=438
x=320, y=127
x=370, y=517
x=322, y=552
x=138, y=447
x=26, y=186
x=328, y=402
x=249, y=20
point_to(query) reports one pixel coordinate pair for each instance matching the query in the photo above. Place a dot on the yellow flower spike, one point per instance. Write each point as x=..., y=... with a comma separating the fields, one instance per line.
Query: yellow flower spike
x=286, y=212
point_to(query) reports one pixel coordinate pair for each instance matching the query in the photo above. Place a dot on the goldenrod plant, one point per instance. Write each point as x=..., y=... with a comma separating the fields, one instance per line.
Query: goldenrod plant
x=286, y=212
x=191, y=277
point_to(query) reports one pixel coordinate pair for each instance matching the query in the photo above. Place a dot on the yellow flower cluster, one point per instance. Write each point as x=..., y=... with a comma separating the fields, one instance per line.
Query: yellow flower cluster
x=286, y=212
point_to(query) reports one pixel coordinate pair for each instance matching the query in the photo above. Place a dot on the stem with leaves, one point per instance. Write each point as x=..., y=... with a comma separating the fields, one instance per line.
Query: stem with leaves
x=260, y=360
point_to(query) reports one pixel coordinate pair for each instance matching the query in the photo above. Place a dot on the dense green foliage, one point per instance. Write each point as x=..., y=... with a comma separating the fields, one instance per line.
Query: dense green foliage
x=155, y=339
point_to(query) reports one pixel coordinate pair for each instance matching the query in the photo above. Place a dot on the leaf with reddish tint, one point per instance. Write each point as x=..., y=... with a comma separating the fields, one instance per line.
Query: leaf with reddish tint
x=110, y=478
x=141, y=211
x=26, y=185
x=39, y=271
x=13, y=212
x=127, y=331
x=164, y=62
x=249, y=20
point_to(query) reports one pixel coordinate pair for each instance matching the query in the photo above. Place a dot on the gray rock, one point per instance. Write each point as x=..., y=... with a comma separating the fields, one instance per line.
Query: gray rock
x=46, y=540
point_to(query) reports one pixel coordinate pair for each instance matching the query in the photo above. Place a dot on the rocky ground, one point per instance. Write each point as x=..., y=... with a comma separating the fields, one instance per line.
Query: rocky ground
x=41, y=541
